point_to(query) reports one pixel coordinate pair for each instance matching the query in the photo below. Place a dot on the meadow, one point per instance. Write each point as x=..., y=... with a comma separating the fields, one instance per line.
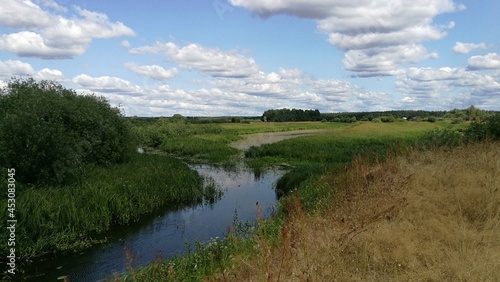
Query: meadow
x=346, y=179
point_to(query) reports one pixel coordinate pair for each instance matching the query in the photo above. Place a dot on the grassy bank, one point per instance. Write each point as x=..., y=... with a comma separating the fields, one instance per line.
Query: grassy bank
x=427, y=216
x=319, y=160
x=311, y=156
x=58, y=219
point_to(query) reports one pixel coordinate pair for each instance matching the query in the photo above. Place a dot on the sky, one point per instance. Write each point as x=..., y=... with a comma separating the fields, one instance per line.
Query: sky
x=242, y=57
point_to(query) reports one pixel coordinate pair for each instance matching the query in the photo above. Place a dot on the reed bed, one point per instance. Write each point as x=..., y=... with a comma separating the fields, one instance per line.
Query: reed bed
x=70, y=218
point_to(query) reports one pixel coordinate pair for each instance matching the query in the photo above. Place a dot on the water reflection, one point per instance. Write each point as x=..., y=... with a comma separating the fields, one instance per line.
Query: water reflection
x=166, y=233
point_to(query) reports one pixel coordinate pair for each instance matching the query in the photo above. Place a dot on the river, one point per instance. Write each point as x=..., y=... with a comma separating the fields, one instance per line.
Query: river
x=166, y=232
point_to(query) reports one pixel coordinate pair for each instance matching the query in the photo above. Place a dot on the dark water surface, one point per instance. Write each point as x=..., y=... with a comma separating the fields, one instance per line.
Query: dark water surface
x=166, y=232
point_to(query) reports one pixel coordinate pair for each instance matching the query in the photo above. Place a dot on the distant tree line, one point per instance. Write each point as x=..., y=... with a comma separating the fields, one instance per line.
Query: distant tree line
x=470, y=114
x=284, y=115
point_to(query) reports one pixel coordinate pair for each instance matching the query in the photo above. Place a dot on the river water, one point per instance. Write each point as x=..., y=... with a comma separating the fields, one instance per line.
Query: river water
x=165, y=233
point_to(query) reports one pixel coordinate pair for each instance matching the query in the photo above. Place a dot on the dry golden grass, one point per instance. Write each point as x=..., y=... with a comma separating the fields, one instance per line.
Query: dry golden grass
x=430, y=216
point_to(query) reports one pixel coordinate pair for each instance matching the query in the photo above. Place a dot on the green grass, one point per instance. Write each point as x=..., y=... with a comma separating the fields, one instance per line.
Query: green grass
x=260, y=127
x=58, y=219
x=310, y=156
x=200, y=148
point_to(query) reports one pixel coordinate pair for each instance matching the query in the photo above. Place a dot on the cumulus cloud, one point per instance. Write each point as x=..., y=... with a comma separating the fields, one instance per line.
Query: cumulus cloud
x=50, y=74
x=446, y=87
x=16, y=68
x=108, y=84
x=152, y=71
x=464, y=48
x=46, y=34
x=12, y=68
x=489, y=61
x=384, y=61
x=210, y=61
x=368, y=30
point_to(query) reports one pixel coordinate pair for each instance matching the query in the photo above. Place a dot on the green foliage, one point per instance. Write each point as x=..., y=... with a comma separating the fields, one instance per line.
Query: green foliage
x=48, y=133
x=443, y=137
x=431, y=119
x=389, y=118
x=155, y=134
x=487, y=127
x=284, y=115
x=199, y=148
x=67, y=218
x=296, y=176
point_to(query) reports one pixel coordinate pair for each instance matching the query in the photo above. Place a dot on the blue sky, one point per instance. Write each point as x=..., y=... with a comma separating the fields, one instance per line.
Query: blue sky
x=242, y=57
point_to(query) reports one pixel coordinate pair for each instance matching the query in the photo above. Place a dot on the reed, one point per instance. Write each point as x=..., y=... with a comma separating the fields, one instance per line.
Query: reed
x=69, y=218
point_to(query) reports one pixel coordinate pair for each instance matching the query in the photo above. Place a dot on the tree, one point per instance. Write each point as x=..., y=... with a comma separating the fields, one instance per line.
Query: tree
x=49, y=133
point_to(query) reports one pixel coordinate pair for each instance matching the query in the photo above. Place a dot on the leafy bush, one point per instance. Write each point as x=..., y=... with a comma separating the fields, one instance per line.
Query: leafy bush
x=48, y=133
x=488, y=127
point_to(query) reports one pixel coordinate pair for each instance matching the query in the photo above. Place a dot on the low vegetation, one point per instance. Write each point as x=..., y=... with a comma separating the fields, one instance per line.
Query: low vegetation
x=70, y=218
x=426, y=216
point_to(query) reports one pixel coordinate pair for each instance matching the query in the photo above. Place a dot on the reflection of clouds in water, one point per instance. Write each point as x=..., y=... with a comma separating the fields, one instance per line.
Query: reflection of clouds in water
x=224, y=179
x=168, y=232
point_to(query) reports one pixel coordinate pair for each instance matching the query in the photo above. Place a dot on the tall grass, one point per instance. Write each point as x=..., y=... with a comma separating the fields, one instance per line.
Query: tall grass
x=55, y=219
x=426, y=216
x=195, y=142
x=311, y=156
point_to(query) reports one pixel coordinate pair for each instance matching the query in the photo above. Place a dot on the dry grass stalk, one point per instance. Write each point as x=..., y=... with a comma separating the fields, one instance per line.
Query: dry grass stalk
x=430, y=216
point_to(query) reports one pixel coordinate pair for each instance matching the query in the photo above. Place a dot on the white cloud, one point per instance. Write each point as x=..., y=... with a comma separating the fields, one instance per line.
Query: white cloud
x=368, y=30
x=24, y=14
x=53, y=5
x=210, y=61
x=489, y=61
x=384, y=61
x=18, y=69
x=11, y=68
x=152, y=71
x=464, y=48
x=107, y=84
x=50, y=74
x=48, y=35
x=125, y=44
x=445, y=88
x=31, y=44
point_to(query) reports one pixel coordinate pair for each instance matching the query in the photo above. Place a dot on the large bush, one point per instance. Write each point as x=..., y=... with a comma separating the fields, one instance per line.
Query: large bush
x=49, y=133
x=487, y=127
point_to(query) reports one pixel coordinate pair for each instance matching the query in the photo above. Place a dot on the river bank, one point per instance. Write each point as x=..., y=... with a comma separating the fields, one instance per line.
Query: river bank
x=167, y=230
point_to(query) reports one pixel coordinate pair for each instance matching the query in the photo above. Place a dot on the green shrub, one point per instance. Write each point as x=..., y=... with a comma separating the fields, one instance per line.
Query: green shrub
x=488, y=127
x=48, y=133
